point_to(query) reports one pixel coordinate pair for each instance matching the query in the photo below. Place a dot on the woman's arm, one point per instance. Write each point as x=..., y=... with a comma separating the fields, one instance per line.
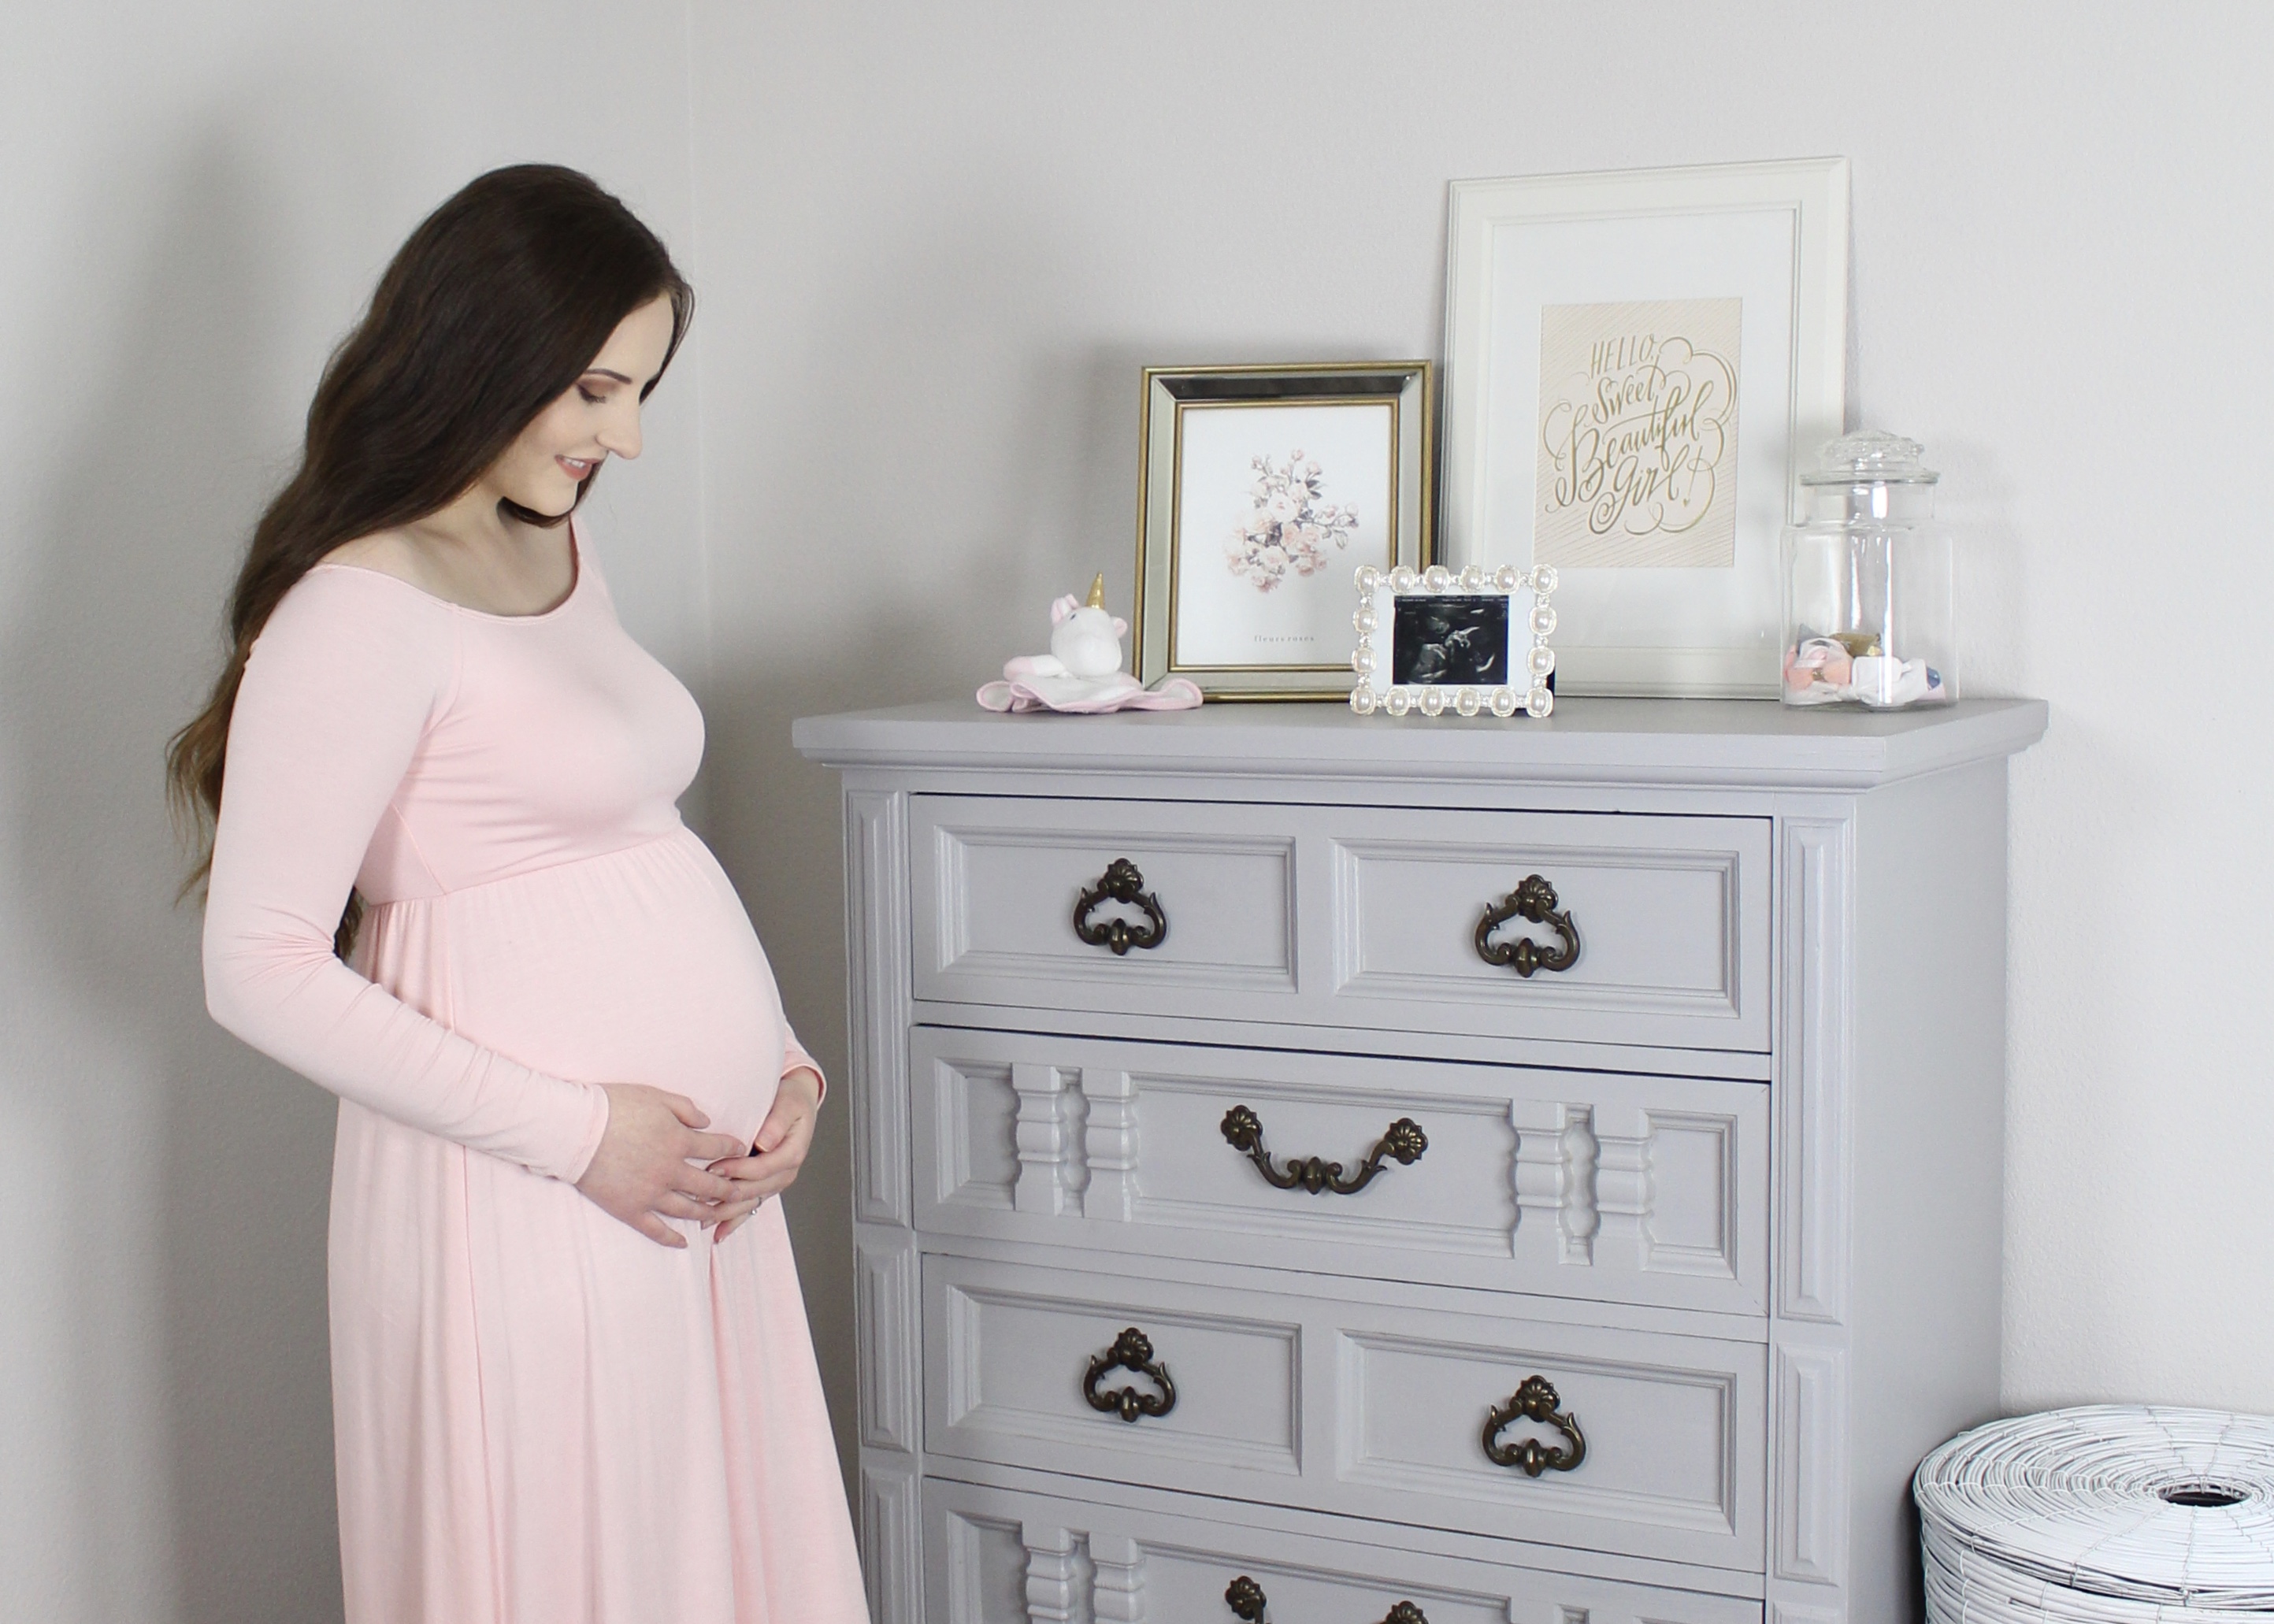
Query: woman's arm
x=336, y=695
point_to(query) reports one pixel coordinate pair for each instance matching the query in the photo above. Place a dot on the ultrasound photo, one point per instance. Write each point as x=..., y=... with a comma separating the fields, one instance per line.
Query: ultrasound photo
x=1453, y=641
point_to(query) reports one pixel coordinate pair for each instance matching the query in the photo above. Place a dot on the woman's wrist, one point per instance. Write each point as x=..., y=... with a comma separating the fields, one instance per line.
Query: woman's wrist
x=804, y=1081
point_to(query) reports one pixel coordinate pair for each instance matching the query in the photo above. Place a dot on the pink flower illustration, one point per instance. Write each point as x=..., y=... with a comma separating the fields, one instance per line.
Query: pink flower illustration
x=1290, y=529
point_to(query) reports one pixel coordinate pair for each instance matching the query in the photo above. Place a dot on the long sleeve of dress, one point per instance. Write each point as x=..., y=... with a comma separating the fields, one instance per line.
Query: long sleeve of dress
x=336, y=695
x=795, y=1058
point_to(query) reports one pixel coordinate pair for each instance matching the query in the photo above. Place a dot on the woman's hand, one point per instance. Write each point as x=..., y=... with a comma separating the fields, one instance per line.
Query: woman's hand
x=644, y=1169
x=783, y=1140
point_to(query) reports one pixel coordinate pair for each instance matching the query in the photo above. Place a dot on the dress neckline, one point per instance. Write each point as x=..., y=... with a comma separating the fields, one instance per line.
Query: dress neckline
x=577, y=574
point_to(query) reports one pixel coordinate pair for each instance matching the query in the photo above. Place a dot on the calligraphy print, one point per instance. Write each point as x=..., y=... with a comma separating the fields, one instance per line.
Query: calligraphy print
x=1638, y=435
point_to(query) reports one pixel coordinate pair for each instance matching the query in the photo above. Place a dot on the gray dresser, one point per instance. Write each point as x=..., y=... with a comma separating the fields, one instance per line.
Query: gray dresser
x=1315, y=1169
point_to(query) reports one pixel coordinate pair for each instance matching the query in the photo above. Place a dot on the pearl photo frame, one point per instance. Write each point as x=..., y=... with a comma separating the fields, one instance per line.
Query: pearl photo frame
x=1471, y=642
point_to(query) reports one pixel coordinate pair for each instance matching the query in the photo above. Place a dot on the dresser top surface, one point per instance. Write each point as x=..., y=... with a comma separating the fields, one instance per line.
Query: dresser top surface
x=1735, y=743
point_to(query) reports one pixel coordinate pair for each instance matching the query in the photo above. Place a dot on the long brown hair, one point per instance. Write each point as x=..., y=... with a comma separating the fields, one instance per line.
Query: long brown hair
x=490, y=312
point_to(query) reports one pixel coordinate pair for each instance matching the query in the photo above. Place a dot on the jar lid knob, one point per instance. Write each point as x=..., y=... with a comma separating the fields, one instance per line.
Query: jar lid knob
x=1874, y=457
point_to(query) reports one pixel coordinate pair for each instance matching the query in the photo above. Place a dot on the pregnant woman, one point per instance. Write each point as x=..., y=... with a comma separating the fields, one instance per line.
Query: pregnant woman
x=572, y=1381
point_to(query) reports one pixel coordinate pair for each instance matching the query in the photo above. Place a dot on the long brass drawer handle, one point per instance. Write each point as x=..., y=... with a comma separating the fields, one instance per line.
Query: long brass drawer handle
x=1132, y=1350
x=1536, y=1401
x=1404, y=1142
x=1535, y=898
x=1246, y=1600
x=1120, y=883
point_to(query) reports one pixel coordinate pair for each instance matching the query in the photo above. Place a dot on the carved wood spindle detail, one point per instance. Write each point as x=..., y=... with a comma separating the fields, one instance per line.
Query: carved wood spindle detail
x=1622, y=1182
x=1043, y=1146
x=1540, y=1177
x=1053, y=1566
x=1582, y=1216
x=1117, y=1591
x=1109, y=1146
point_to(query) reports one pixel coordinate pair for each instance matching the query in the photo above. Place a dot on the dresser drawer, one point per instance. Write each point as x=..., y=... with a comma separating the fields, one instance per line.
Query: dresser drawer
x=1357, y=1403
x=996, y=883
x=1005, y=1375
x=1651, y=929
x=1646, y=1190
x=997, y=1556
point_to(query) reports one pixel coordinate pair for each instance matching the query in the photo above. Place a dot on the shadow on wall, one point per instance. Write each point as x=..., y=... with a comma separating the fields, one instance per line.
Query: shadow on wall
x=1029, y=488
x=220, y=1268
x=773, y=819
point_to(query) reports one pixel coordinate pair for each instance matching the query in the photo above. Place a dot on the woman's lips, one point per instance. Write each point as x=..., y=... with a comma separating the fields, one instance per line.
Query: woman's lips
x=577, y=467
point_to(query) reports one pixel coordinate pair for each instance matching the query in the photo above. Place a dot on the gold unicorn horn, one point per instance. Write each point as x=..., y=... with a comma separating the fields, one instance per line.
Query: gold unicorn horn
x=1096, y=592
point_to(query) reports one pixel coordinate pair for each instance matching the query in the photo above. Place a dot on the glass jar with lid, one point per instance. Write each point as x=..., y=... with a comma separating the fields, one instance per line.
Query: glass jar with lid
x=1871, y=582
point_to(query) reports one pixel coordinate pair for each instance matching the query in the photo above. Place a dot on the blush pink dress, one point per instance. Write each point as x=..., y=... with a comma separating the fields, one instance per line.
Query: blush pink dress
x=541, y=1416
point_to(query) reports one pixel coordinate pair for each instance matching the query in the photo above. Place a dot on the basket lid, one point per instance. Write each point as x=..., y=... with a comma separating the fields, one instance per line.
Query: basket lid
x=2165, y=1505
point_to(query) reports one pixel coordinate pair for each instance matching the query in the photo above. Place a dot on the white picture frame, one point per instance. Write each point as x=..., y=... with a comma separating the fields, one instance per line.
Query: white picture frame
x=1433, y=642
x=1530, y=262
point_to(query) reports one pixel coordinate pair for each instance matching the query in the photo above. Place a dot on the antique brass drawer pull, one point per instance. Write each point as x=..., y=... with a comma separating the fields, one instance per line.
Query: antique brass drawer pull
x=1533, y=899
x=1121, y=883
x=1534, y=1400
x=1403, y=1143
x=1132, y=1350
x=1246, y=1600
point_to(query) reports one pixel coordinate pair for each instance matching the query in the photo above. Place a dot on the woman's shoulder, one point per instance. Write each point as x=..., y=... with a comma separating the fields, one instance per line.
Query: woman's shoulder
x=449, y=580
x=386, y=560
x=348, y=606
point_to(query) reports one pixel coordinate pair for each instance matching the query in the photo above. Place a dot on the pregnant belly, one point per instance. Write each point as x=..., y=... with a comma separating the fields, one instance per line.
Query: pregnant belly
x=637, y=967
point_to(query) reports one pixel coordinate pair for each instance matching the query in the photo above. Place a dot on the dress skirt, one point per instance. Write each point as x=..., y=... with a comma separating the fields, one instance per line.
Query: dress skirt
x=543, y=1416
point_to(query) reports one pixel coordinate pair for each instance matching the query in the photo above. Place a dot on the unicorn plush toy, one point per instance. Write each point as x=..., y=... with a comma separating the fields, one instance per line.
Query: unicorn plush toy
x=1085, y=640
x=1082, y=672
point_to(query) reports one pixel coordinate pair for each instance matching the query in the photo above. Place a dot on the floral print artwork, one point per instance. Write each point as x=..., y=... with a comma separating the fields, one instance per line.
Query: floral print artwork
x=1290, y=528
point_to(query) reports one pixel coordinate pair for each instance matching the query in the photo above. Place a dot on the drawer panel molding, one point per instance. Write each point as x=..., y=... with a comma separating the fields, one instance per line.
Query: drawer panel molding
x=892, y=1557
x=886, y=1312
x=1669, y=917
x=999, y=1556
x=1008, y=1376
x=1597, y=1185
x=1375, y=918
x=1321, y=1397
x=877, y=906
x=1661, y=1440
x=1813, y=1077
x=1810, y=1474
x=999, y=884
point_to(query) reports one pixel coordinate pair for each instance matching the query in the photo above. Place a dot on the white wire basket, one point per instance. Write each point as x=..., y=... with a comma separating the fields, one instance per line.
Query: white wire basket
x=2107, y=1513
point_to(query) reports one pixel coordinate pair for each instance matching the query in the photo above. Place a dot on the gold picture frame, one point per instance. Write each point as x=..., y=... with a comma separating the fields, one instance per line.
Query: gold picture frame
x=1248, y=538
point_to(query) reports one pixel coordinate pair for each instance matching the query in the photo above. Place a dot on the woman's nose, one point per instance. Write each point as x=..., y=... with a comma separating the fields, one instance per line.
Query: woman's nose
x=621, y=434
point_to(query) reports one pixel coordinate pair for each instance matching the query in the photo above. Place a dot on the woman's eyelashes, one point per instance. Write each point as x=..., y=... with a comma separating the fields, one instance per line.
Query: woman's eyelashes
x=593, y=397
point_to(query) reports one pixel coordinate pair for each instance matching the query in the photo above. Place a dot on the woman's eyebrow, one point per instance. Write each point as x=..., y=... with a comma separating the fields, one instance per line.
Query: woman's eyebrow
x=602, y=372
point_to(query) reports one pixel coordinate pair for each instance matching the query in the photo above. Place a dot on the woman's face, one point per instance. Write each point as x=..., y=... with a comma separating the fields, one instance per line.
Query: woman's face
x=597, y=417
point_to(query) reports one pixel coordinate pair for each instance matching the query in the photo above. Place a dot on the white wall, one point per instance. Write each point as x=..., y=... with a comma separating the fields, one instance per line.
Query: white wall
x=939, y=242
x=933, y=246
x=198, y=198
